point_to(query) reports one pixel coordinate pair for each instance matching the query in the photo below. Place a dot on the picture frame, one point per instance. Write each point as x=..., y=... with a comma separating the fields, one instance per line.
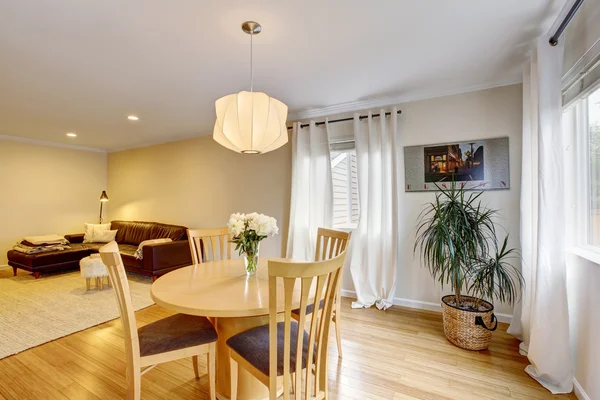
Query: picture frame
x=481, y=164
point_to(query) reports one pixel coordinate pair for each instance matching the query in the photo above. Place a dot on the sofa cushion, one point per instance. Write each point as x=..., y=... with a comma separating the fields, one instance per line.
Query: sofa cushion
x=93, y=247
x=128, y=255
x=135, y=232
x=75, y=253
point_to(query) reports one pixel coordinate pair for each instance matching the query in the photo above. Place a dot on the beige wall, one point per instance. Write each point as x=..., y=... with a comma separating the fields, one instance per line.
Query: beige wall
x=47, y=189
x=482, y=114
x=198, y=183
x=476, y=115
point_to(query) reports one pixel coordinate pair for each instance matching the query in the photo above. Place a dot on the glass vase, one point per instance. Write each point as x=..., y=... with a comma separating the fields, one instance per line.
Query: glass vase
x=251, y=262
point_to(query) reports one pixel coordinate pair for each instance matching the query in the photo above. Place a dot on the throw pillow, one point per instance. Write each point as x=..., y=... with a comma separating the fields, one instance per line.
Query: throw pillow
x=103, y=236
x=88, y=236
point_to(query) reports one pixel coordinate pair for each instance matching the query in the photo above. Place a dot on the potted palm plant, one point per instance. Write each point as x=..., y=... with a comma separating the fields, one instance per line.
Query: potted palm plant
x=456, y=238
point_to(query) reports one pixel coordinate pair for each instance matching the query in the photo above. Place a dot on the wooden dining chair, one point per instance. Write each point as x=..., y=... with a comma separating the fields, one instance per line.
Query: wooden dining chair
x=330, y=244
x=285, y=348
x=216, y=240
x=172, y=338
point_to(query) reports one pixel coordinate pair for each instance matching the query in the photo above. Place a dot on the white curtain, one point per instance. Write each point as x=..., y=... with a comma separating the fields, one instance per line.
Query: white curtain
x=312, y=190
x=375, y=242
x=541, y=320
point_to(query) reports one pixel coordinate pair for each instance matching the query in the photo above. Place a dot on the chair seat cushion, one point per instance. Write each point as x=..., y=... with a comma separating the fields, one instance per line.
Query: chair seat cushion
x=309, y=308
x=253, y=346
x=176, y=332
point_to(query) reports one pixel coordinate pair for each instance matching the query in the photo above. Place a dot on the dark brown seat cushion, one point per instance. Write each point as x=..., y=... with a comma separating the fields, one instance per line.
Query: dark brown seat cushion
x=128, y=255
x=176, y=332
x=309, y=308
x=94, y=247
x=253, y=346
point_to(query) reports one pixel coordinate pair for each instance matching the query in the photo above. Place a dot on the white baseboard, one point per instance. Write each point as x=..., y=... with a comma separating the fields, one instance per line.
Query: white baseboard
x=579, y=392
x=4, y=266
x=423, y=305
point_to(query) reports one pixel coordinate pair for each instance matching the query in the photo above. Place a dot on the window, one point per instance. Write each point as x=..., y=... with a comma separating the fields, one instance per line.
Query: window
x=345, y=188
x=593, y=127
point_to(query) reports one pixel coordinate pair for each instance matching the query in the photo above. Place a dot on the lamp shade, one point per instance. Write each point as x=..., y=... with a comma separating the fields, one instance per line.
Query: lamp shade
x=103, y=196
x=250, y=122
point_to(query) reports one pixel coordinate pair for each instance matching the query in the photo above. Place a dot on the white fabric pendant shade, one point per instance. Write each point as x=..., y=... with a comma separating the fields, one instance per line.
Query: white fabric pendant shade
x=250, y=122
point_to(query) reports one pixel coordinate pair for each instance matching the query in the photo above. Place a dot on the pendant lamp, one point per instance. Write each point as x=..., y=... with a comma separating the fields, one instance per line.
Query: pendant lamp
x=250, y=122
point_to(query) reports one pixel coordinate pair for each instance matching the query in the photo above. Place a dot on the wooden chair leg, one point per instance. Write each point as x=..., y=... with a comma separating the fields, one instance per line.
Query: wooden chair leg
x=87, y=284
x=337, y=321
x=234, y=378
x=212, y=350
x=36, y=275
x=195, y=362
x=338, y=336
x=134, y=388
x=14, y=271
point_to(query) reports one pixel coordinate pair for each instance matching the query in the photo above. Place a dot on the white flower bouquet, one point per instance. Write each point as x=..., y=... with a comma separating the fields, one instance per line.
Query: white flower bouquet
x=247, y=231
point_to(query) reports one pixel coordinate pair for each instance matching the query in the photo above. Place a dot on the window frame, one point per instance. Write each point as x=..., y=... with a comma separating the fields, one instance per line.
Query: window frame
x=582, y=201
x=348, y=152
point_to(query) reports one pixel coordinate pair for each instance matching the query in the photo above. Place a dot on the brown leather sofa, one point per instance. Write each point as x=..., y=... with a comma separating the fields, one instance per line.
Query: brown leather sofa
x=157, y=259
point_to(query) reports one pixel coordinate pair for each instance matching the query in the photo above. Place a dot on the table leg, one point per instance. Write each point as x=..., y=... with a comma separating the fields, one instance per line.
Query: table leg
x=249, y=388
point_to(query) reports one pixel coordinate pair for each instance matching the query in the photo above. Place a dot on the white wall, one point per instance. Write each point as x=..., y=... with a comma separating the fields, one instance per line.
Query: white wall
x=198, y=183
x=47, y=189
x=482, y=114
x=583, y=283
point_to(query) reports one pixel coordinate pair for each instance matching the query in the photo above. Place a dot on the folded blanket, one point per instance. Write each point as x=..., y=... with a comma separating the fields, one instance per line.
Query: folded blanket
x=45, y=240
x=29, y=244
x=138, y=253
x=20, y=247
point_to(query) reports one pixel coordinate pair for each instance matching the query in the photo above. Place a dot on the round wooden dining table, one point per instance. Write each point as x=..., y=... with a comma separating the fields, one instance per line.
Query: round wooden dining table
x=221, y=291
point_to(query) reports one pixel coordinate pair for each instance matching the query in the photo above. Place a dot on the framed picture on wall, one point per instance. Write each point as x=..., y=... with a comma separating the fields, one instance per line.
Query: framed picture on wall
x=476, y=165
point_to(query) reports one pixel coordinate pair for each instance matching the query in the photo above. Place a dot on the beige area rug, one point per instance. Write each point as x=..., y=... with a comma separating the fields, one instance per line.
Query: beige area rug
x=37, y=311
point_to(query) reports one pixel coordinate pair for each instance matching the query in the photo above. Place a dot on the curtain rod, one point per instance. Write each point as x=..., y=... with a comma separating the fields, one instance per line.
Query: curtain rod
x=345, y=119
x=565, y=22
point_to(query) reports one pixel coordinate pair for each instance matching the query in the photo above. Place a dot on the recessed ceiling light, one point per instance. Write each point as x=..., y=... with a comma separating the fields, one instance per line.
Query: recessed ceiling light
x=71, y=134
x=132, y=118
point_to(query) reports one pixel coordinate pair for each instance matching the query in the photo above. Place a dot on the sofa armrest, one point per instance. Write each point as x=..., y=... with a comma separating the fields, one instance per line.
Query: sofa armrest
x=166, y=255
x=75, y=238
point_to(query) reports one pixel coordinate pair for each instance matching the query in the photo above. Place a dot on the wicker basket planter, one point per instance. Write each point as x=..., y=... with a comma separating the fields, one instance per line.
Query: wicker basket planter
x=471, y=330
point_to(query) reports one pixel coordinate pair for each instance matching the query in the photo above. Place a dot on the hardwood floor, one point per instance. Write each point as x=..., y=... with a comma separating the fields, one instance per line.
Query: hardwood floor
x=400, y=354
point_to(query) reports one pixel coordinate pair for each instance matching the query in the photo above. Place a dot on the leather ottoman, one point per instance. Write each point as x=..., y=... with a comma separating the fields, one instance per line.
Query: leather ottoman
x=50, y=261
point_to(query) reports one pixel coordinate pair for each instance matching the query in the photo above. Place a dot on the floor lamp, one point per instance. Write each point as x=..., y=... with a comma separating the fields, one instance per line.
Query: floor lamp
x=103, y=199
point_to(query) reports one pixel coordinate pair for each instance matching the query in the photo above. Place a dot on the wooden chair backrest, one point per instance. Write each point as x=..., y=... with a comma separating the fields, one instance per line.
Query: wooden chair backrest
x=216, y=240
x=330, y=243
x=118, y=279
x=324, y=277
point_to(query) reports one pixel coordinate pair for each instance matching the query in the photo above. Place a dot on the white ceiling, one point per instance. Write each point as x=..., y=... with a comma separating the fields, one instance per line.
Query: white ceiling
x=83, y=66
